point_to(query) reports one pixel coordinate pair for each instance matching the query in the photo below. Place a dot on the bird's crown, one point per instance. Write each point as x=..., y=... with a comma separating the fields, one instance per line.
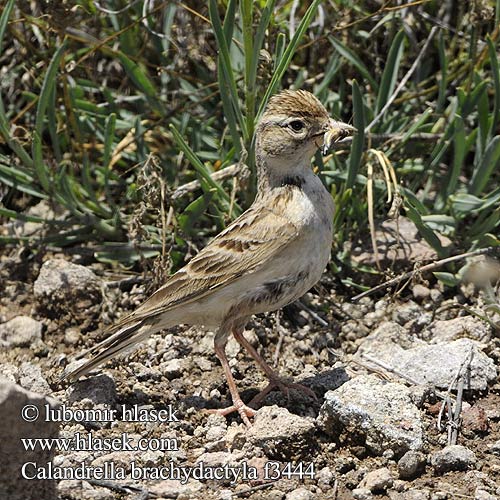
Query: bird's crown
x=296, y=103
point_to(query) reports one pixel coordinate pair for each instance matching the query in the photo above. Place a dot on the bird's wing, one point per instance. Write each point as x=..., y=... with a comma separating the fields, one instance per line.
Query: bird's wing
x=246, y=245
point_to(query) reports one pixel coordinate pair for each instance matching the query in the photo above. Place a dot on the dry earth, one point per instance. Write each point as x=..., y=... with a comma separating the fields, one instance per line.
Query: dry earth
x=380, y=368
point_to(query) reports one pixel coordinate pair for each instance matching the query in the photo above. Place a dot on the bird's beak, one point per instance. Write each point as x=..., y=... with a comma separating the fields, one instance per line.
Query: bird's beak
x=335, y=133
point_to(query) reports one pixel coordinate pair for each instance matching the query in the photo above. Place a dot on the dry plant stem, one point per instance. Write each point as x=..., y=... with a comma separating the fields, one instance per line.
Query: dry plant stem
x=311, y=313
x=454, y=417
x=231, y=171
x=428, y=267
x=404, y=80
x=252, y=489
x=112, y=485
x=279, y=345
x=371, y=219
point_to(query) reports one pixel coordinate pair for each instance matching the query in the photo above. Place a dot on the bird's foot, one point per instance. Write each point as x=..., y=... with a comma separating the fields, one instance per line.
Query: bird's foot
x=284, y=386
x=243, y=410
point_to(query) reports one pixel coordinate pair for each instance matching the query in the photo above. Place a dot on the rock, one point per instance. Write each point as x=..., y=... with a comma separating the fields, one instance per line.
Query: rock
x=434, y=364
x=14, y=402
x=99, y=390
x=474, y=420
x=281, y=434
x=404, y=313
x=495, y=448
x=64, y=289
x=416, y=494
x=30, y=377
x=9, y=372
x=457, y=328
x=379, y=413
x=420, y=292
x=399, y=244
x=174, y=488
x=453, y=458
x=173, y=368
x=325, y=478
x=300, y=494
x=378, y=481
x=327, y=380
x=481, y=494
x=362, y=494
x=21, y=331
x=411, y=465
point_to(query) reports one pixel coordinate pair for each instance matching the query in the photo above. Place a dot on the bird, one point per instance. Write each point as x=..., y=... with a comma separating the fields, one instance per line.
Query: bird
x=268, y=257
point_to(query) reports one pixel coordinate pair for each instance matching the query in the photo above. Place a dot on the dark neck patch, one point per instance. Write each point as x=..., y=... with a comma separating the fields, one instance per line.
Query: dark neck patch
x=292, y=180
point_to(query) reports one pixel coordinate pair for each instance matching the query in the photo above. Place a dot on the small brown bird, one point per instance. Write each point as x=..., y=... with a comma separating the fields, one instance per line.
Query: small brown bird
x=267, y=258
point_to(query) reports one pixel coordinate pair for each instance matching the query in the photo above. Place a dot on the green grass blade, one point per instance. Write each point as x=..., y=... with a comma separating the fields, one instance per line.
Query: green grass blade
x=225, y=62
x=492, y=52
x=358, y=141
x=228, y=26
x=4, y=19
x=488, y=164
x=198, y=165
x=443, y=62
x=279, y=50
x=352, y=58
x=288, y=54
x=48, y=85
x=390, y=74
x=109, y=136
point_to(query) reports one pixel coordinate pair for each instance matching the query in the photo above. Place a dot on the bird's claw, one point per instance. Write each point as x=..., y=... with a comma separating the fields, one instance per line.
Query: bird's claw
x=243, y=410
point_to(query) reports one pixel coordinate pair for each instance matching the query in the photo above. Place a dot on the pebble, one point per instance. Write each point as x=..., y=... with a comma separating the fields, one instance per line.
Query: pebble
x=378, y=481
x=453, y=458
x=300, y=494
x=411, y=465
x=377, y=412
x=21, y=331
x=281, y=434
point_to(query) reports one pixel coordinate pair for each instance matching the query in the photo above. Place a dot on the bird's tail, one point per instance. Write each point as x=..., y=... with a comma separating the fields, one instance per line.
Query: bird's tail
x=123, y=340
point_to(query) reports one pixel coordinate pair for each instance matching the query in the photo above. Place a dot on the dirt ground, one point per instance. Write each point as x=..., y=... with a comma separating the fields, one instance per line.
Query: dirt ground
x=315, y=343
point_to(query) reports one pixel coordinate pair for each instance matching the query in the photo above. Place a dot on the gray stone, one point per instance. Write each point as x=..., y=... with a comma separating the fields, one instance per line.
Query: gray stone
x=417, y=494
x=21, y=331
x=420, y=292
x=173, y=368
x=300, y=494
x=174, y=488
x=9, y=372
x=407, y=312
x=481, y=494
x=64, y=288
x=30, y=377
x=453, y=458
x=281, y=434
x=411, y=465
x=457, y=328
x=429, y=364
x=399, y=243
x=379, y=413
x=14, y=400
x=328, y=380
x=362, y=494
x=57, y=275
x=100, y=390
x=378, y=481
x=495, y=448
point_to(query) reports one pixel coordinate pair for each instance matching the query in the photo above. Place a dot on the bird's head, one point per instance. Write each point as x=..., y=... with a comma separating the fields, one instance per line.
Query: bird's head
x=295, y=124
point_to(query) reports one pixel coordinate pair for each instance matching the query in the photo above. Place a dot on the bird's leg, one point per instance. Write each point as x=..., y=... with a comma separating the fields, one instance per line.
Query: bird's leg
x=275, y=381
x=238, y=405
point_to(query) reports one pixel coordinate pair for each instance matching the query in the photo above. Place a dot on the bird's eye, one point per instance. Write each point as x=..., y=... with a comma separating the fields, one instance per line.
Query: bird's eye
x=296, y=125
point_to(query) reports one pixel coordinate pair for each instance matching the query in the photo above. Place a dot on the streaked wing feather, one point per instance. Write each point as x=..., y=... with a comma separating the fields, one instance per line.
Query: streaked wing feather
x=247, y=244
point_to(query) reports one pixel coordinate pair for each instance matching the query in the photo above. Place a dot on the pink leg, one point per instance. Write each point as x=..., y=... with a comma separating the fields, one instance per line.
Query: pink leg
x=275, y=381
x=238, y=405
